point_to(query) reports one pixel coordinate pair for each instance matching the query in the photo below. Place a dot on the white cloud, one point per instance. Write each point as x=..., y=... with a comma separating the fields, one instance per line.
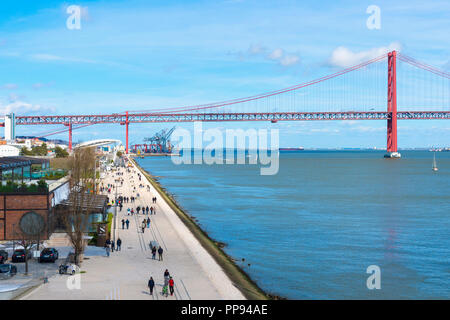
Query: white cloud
x=283, y=59
x=276, y=54
x=45, y=56
x=289, y=60
x=51, y=57
x=368, y=129
x=344, y=57
x=40, y=85
x=9, y=86
x=327, y=130
x=13, y=97
x=21, y=107
x=256, y=49
x=279, y=55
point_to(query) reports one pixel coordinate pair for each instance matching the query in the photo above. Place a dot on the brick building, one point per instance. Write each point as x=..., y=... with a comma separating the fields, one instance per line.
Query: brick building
x=14, y=206
x=15, y=201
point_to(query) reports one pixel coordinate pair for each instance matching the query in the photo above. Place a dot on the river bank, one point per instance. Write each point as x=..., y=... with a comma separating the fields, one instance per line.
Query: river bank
x=239, y=278
x=124, y=274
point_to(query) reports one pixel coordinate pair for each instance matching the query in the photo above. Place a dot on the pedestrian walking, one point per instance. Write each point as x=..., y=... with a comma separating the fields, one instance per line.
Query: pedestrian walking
x=107, y=249
x=119, y=244
x=151, y=210
x=165, y=290
x=153, y=252
x=123, y=224
x=160, y=254
x=151, y=285
x=112, y=245
x=148, y=222
x=143, y=225
x=171, y=284
x=128, y=223
x=165, y=286
x=146, y=209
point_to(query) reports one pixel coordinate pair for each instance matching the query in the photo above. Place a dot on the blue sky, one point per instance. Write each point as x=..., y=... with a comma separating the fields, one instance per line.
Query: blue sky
x=139, y=55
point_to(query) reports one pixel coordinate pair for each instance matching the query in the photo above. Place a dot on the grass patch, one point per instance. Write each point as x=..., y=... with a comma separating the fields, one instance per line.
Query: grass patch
x=60, y=163
x=109, y=221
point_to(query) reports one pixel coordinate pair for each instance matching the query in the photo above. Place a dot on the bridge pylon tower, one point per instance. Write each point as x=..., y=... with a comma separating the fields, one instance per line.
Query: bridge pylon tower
x=391, y=146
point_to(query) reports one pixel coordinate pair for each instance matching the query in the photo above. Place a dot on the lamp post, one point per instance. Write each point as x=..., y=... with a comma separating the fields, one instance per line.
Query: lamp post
x=14, y=241
x=95, y=174
x=115, y=216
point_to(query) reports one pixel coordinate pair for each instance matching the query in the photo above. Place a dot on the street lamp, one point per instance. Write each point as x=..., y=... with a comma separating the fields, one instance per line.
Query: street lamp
x=115, y=213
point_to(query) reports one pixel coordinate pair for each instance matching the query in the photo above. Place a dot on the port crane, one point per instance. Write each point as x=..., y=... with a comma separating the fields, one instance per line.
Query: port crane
x=158, y=143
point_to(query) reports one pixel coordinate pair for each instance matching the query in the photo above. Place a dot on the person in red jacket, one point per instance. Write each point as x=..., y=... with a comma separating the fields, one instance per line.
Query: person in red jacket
x=171, y=286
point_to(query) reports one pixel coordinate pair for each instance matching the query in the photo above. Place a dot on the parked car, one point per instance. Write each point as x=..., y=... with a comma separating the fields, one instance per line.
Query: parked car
x=3, y=256
x=7, y=270
x=49, y=254
x=19, y=255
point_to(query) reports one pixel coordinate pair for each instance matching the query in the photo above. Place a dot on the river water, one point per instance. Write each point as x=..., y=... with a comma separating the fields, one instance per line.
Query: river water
x=312, y=230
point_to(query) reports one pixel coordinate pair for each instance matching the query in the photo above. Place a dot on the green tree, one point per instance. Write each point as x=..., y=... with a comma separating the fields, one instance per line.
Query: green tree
x=25, y=151
x=60, y=152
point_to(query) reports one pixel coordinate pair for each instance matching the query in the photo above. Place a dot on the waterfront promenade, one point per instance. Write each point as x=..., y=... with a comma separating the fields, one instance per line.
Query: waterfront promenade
x=124, y=275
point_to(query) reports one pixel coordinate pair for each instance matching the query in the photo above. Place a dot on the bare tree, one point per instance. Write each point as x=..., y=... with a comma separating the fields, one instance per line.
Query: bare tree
x=31, y=226
x=26, y=242
x=81, y=198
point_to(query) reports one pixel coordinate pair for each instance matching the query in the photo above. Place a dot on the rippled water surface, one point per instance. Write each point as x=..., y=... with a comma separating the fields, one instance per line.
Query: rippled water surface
x=311, y=231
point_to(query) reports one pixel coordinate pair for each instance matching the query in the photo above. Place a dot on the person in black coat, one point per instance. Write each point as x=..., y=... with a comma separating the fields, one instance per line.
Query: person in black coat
x=119, y=244
x=151, y=284
x=160, y=253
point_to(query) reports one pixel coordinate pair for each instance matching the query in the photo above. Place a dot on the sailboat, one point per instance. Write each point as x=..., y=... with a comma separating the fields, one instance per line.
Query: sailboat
x=435, y=168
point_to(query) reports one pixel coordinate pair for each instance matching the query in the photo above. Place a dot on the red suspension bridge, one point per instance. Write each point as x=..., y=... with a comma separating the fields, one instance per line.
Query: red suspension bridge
x=379, y=89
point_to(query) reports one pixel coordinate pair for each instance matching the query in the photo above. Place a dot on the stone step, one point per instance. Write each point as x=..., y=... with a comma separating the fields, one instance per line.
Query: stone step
x=58, y=240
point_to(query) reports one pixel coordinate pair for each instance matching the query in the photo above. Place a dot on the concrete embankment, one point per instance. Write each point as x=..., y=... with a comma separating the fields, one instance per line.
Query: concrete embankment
x=218, y=264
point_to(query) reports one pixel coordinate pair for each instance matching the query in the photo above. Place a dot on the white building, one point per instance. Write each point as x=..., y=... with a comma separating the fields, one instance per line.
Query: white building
x=10, y=127
x=9, y=151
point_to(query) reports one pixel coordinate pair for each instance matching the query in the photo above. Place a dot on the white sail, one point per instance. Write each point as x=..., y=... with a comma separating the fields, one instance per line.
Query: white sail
x=435, y=168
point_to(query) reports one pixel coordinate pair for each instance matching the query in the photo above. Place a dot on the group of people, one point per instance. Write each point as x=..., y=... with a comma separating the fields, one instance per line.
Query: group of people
x=145, y=224
x=160, y=253
x=146, y=210
x=110, y=246
x=125, y=222
x=169, y=284
x=127, y=199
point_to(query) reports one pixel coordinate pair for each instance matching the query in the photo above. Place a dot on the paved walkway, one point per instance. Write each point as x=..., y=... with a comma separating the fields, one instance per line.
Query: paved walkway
x=124, y=275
